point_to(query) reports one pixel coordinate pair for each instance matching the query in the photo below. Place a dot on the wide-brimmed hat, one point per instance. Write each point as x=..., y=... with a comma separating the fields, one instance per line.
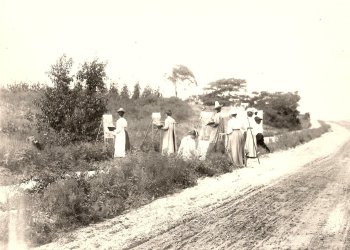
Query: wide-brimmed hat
x=250, y=110
x=217, y=105
x=121, y=110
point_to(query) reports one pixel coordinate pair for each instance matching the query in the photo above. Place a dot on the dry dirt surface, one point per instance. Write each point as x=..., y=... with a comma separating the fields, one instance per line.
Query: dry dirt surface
x=298, y=199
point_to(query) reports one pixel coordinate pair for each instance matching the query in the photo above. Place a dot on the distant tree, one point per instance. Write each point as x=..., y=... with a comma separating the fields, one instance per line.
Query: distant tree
x=181, y=73
x=227, y=91
x=113, y=91
x=137, y=90
x=280, y=109
x=157, y=93
x=149, y=95
x=147, y=92
x=125, y=94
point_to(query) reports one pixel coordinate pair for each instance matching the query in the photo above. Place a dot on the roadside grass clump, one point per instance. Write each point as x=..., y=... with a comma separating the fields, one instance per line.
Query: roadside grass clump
x=46, y=165
x=124, y=184
x=295, y=138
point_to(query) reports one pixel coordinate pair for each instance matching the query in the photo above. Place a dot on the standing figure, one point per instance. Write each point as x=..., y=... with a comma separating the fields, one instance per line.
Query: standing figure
x=235, y=147
x=204, y=133
x=122, y=143
x=188, y=149
x=216, y=140
x=249, y=135
x=259, y=134
x=169, y=137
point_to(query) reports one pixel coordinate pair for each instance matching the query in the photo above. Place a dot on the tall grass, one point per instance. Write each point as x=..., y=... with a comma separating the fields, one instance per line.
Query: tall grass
x=292, y=139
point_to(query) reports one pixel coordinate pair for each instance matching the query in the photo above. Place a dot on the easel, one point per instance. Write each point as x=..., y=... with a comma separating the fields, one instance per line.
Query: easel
x=106, y=121
x=154, y=131
x=99, y=130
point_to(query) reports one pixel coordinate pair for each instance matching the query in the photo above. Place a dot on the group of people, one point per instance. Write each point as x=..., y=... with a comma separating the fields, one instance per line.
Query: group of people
x=239, y=138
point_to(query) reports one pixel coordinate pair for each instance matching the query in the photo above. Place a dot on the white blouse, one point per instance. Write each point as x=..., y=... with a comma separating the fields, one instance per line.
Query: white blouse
x=234, y=123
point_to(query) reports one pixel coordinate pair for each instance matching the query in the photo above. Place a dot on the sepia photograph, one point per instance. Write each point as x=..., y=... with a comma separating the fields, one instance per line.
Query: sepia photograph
x=163, y=124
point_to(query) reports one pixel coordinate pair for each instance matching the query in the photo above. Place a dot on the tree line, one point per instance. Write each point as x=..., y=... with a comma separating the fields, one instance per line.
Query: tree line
x=71, y=107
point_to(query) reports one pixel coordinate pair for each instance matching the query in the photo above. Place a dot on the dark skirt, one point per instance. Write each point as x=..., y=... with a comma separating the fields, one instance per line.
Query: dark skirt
x=127, y=141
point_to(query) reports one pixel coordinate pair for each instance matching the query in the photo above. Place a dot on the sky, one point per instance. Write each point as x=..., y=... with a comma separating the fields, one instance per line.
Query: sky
x=275, y=45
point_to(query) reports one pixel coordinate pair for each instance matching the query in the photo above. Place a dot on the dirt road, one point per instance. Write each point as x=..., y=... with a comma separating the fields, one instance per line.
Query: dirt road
x=304, y=206
x=308, y=210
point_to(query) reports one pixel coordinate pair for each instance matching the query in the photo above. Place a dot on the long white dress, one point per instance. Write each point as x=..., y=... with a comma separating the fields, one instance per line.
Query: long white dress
x=187, y=149
x=120, y=137
x=250, y=141
x=235, y=141
x=169, y=138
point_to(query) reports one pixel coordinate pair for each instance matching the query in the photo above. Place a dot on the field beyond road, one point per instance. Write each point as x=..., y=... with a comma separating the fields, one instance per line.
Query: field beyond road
x=293, y=199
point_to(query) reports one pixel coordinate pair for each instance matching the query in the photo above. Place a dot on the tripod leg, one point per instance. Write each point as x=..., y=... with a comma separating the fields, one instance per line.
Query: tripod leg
x=99, y=129
x=144, y=139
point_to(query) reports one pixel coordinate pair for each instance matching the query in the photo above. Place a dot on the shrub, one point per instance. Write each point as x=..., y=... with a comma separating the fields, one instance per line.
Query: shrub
x=72, y=112
x=292, y=139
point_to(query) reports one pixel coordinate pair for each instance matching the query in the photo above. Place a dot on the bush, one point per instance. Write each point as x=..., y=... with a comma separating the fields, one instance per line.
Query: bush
x=73, y=112
x=295, y=138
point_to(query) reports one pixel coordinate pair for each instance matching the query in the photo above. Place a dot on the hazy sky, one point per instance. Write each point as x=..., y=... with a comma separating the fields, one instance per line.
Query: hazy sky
x=275, y=45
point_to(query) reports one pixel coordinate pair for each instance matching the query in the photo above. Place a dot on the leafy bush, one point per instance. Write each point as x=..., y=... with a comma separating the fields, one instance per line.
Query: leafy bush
x=73, y=112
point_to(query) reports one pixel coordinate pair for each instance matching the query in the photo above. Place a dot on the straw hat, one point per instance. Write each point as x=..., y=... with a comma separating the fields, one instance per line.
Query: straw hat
x=217, y=105
x=121, y=110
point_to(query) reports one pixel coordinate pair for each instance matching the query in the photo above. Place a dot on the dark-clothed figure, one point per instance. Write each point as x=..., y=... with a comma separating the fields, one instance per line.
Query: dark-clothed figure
x=259, y=134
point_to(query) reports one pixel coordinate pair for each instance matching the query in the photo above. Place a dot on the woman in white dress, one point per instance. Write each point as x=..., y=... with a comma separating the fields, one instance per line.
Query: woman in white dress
x=169, y=137
x=188, y=149
x=250, y=140
x=122, y=143
x=235, y=146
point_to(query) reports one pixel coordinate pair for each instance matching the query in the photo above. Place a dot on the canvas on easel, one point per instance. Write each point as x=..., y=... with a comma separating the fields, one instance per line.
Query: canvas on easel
x=107, y=121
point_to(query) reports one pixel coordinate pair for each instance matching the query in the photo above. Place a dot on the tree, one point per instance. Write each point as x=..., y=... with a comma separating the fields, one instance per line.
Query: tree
x=280, y=109
x=60, y=73
x=147, y=92
x=56, y=105
x=137, y=90
x=125, y=94
x=113, y=91
x=93, y=75
x=91, y=101
x=74, y=112
x=226, y=91
x=181, y=73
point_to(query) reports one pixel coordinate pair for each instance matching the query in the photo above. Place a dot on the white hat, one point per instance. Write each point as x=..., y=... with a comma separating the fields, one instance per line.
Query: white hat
x=250, y=109
x=233, y=111
x=217, y=105
x=120, y=110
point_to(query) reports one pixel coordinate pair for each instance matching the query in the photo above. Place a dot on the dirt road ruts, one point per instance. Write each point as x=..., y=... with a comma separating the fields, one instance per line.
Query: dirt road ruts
x=306, y=210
